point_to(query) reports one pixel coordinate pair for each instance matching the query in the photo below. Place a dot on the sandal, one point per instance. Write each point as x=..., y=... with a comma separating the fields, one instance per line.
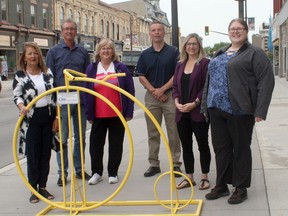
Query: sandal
x=46, y=194
x=185, y=184
x=204, y=184
x=33, y=199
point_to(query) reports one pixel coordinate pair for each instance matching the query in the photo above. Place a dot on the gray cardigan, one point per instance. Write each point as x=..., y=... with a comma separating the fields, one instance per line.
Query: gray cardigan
x=250, y=81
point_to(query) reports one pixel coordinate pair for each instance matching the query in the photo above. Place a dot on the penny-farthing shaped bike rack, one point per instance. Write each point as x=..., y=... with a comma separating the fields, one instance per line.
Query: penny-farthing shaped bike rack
x=76, y=207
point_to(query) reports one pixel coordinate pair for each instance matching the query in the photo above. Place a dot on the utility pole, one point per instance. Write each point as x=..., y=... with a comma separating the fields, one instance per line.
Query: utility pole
x=131, y=32
x=241, y=10
x=174, y=17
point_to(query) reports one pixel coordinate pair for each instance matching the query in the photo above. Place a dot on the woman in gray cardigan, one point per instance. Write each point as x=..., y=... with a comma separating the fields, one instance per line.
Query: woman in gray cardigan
x=237, y=94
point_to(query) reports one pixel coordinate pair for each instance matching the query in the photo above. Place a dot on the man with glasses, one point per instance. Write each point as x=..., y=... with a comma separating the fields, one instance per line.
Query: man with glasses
x=69, y=55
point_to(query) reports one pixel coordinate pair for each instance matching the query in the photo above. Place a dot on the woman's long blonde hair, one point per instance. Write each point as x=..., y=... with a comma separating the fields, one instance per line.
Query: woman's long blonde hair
x=183, y=54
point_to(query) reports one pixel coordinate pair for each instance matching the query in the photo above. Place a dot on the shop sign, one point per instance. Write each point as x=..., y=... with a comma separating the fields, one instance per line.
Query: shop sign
x=4, y=40
x=41, y=42
x=89, y=45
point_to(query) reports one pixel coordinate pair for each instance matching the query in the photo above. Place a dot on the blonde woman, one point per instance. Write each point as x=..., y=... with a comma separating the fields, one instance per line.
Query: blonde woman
x=31, y=80
x=102, y=117
x=188, y=84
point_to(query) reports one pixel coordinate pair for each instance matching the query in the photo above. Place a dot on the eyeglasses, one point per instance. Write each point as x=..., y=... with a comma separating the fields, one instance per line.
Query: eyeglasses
x=68, y=29
x=106, y=49
x=192, y=44
x=236, y=29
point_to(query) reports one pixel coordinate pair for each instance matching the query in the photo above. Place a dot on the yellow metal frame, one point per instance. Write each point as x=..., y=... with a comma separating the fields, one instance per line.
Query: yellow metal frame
x=75, y=207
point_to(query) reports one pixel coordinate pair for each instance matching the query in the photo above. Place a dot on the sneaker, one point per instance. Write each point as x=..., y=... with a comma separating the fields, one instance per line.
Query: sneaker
x=218, y=192
x=152, y=171
x=113, y=179
x=239, y=195
x=86, y=176
x=59, y=181
x=96, y=178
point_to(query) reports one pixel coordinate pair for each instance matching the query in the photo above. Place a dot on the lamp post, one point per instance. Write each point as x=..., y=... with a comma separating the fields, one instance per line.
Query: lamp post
x=174, y=16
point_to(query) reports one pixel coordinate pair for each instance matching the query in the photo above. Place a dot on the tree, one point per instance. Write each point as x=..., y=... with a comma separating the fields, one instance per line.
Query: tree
x=211, y=50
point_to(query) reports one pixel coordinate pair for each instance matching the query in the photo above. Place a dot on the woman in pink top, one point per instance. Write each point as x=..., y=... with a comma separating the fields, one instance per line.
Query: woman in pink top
x=102, y=117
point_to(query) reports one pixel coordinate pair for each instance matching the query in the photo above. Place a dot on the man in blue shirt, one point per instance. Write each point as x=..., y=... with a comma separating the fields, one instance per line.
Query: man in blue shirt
x=69, y=55
x=157, y=64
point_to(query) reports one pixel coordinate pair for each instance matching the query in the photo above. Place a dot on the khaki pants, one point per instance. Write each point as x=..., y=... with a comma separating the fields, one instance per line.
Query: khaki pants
x=158, y=110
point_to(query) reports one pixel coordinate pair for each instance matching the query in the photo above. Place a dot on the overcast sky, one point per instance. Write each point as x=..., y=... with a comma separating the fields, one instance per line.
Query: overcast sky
x=193, y=15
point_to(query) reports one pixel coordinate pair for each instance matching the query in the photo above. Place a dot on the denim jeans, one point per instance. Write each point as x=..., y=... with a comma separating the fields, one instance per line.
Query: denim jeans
x=65, y=134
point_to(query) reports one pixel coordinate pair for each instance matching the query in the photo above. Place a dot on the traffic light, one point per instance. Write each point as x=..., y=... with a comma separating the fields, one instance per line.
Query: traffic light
x=206, y=30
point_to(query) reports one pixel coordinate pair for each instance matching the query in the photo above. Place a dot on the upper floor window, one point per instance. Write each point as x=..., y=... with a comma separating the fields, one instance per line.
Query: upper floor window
x=19, y=8
x=102, y=27
x=85, y=23
x=113, y=31
x=77, y=20
x=61, y=17
x=33, y=15
x=45, y=17
x=92, y=25
x=70, y=14
x=118, y=33
x=3, y=10
x=123, y=33
x=107, y=29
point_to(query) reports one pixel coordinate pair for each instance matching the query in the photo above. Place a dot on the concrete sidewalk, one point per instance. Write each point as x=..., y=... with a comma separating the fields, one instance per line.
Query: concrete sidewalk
x=266, y=197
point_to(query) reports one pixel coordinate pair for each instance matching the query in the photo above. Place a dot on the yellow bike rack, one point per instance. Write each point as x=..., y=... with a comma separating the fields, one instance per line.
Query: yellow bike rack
x=77, y=207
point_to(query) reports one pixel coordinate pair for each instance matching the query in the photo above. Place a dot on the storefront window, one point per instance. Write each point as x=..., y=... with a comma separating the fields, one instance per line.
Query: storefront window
x=8, y=63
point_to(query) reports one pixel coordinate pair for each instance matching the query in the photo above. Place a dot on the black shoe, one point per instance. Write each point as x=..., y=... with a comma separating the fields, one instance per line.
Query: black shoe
x=218, y=192
x=59, y=181
x=239, y=195
x=33, y=199
x=45, y=194
x=152, y=171
x=86, y=176
x=177, y=169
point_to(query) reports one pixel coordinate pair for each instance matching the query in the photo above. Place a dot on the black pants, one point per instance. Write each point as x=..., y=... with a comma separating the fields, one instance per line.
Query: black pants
x=38, y=143
x=186, y=127
x=231, y=138
x=98, y=133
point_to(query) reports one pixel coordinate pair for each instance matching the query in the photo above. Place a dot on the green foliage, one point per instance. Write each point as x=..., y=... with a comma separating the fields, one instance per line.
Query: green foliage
x=211, y=50
x=270, y=56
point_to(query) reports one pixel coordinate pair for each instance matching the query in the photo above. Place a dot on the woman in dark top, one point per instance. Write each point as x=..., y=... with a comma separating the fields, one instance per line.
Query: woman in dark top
x=188, y=84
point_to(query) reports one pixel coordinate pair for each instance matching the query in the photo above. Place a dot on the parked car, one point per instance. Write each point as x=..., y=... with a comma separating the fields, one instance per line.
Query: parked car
x=130, y=59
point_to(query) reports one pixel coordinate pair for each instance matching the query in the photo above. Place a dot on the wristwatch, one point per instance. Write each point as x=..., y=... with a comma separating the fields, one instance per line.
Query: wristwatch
x=197, y=102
